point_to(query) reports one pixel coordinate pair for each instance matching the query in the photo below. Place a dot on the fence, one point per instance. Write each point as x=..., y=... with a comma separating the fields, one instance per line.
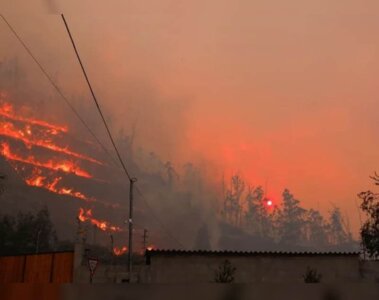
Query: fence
x=55, y=267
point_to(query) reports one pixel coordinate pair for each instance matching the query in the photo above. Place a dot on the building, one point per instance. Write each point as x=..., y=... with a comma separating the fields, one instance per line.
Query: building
x=183, y=267
x=190, y=267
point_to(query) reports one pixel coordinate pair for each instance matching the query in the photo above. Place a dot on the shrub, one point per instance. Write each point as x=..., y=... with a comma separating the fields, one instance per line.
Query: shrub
x=312, y=276
x=225, y=272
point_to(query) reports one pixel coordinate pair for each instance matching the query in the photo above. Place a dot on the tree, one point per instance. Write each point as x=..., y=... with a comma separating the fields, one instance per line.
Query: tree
x=44, y=231
x=233, y=210
x=370, y=229
x=7, y=226
x=225, y=272
x=259, y=219
x=338, y=234
x=291, y=220
x=27, y=233
x=2, y=185
x=317, y=234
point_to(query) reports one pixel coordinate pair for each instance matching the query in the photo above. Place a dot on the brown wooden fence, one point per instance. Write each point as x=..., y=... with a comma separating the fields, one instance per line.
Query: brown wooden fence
x=54, y=267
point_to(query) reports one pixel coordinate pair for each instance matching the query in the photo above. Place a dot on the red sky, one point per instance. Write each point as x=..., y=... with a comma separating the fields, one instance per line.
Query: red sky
x=279, y=91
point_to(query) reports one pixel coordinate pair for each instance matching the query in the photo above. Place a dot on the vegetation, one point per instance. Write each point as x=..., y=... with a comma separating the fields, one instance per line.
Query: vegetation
x=27, y=233
x=225, y=272
x=288, y=225
x=312, y=276
x=370, y=229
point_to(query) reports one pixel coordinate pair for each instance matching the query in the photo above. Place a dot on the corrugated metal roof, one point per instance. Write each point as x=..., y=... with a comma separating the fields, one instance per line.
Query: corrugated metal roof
x=247, y=253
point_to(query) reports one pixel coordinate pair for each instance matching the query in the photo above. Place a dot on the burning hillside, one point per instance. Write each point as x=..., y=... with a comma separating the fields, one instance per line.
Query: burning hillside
x=43, y=155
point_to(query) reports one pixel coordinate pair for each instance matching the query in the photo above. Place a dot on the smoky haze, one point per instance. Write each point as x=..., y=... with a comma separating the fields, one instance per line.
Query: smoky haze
x=282, y=93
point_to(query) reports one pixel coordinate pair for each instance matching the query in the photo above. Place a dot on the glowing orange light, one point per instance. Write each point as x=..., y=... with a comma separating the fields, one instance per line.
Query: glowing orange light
x=65, y=166
x=26, y=136
x=269, y=202
x=40, y=181
x=86, y=215
x=120, y=251
x=39, y=133
x=6, y=110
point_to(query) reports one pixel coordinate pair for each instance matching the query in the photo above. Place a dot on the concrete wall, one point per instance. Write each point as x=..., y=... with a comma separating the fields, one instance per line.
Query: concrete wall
x=369, y=271
x=200, y=268
x=252, y=269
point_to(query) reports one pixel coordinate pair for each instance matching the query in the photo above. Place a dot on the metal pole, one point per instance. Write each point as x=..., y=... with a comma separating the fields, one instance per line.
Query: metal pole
x=130, y=252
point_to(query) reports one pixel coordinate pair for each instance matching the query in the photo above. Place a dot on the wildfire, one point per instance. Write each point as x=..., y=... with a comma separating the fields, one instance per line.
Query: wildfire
x=150, y=248
x=86, y=215
x=120, y=251
x=64, y=166
x=34, y=133
x=27, y=137
x=40, y=181
x=6, y=110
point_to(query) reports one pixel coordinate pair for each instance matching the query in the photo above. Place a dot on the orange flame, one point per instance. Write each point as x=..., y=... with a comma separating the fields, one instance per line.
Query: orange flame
x=120, y=251
x=26, y=136
x=38, y=133
x=40, y=181
x=149, y=248
x=86, y=215
x=65, y=166
x=6, y=110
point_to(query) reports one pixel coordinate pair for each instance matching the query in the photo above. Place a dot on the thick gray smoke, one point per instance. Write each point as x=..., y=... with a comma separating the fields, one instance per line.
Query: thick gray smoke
x=178, y=205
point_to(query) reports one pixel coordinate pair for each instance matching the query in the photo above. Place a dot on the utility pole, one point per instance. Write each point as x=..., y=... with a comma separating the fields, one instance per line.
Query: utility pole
x=132, y=181
x=144, y=239
x=94, y=234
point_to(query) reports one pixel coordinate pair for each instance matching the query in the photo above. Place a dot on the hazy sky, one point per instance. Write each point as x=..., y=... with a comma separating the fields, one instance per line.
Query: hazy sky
x=279, y=91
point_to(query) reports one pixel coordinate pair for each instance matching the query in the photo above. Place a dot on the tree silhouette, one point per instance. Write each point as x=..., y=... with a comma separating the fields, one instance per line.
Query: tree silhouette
x=27, y=233
x=291, y=220
x=370, y=229
x=338, y=233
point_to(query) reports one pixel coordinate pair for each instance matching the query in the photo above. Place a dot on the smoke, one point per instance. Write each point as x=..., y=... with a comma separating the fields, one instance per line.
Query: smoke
x=52, y=6
x=178, y=201
x=232, y=95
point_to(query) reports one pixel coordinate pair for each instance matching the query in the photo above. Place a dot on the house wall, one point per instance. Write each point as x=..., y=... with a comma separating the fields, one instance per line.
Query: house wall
x=251, y=269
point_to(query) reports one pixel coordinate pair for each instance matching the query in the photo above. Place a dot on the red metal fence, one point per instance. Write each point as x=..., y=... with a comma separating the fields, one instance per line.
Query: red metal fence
x=37, y=268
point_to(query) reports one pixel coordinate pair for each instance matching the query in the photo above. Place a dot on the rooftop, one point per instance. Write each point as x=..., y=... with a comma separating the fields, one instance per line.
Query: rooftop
x=246, y=253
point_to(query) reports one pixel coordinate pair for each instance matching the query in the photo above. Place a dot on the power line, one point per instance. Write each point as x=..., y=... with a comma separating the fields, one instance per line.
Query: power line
x=82, y=120
x=96, y=102
x=56, y=86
